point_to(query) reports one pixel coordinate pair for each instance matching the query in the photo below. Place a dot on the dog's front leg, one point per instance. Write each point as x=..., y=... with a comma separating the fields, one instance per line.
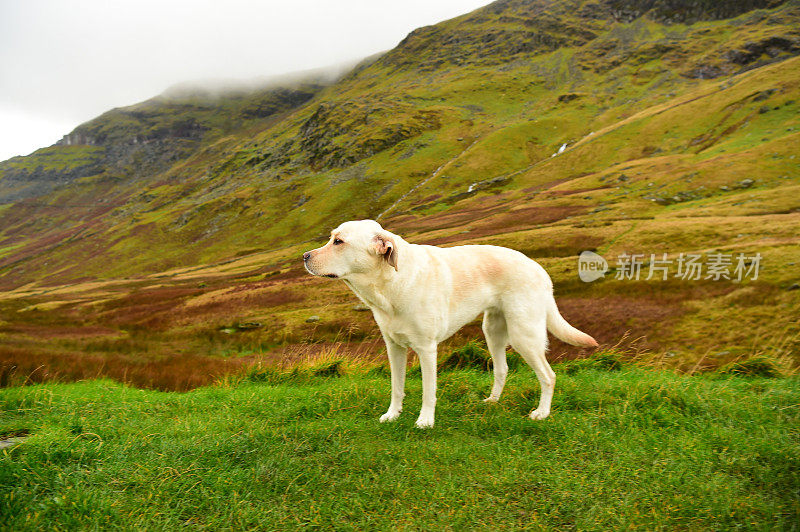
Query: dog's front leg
x=398, y=358
x=427, y=361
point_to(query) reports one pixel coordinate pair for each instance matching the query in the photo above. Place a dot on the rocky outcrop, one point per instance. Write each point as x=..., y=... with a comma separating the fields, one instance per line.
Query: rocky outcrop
x=684, y=11
x=76, y=138
x=338, y=136
x=278, y=101
x=771, y=47
x=144, y=139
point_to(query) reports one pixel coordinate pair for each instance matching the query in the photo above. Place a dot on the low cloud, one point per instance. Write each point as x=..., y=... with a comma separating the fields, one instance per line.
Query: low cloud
x=66, y=62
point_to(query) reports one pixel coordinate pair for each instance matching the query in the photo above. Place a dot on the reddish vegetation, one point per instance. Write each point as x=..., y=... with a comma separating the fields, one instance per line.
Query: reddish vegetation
x=149, y=309
x=518, y=220
x=524, y=218
x=295, y=271
x=58, y=345
x=614, y=318
x=27, y=366
x=151, y=337
x=405, y=224
x=62, y=331
x=575, y=191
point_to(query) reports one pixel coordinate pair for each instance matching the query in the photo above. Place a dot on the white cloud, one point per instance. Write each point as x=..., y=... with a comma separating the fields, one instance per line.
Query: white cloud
x=63, y=63
x=23, y=132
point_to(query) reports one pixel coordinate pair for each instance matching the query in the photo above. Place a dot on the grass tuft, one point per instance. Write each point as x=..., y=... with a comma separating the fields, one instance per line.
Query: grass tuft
x=472, y=355
x=607, y=360
x=333, y=368
x=756, y=366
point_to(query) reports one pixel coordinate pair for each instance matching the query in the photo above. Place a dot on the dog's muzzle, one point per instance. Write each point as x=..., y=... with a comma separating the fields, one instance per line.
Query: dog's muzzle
x=306, y=258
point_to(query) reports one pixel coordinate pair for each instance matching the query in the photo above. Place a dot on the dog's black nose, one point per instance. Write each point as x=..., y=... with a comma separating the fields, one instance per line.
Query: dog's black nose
x=306, y=256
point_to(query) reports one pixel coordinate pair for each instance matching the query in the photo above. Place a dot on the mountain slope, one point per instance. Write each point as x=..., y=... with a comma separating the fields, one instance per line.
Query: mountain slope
x=679, y=127
x=527, y=75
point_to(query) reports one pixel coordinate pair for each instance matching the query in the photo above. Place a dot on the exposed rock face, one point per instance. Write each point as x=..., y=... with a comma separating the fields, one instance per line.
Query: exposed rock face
x=684, y=11
x=324, y=138
x=76, y=138
x=772, y=47
x=278, y=101
x=494, y=34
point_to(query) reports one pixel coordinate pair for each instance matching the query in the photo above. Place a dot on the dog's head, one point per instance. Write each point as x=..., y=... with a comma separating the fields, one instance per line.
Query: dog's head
x=359, y=247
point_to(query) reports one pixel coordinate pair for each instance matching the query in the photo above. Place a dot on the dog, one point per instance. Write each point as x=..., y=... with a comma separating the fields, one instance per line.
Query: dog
x=421, y=295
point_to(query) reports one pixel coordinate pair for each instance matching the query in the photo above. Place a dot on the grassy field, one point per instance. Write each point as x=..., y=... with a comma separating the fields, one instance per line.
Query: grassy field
x=628, y=447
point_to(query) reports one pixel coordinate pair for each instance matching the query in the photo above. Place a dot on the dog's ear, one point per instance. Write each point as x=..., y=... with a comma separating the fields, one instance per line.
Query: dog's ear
x=384, y=245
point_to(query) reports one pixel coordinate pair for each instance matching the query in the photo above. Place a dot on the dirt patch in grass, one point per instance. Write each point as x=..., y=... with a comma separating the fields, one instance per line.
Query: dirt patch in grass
x=457, y=218
x=575, y=191
x=569, y=247
x=295, y=271
x=47, y=332
x=514, y=220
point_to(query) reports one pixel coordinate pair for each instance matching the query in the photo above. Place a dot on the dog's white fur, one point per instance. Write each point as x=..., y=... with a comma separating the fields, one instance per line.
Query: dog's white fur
x=421, y=295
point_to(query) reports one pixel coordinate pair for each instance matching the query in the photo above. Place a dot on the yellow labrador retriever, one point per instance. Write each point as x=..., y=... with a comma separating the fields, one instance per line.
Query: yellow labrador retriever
x=421, y=295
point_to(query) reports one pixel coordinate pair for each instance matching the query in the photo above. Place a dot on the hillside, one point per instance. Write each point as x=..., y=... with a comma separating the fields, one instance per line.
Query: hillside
x=157, y=228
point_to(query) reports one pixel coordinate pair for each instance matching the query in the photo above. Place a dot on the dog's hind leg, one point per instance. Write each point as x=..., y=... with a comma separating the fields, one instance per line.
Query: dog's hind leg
x=494, y=329
x=398, y=358
x=529, y=338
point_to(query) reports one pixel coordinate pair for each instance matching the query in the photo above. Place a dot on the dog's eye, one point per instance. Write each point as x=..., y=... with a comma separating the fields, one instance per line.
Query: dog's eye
x=337, y=241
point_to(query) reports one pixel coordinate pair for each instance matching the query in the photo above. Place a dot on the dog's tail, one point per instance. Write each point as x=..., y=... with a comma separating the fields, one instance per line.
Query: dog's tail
x=565, y=332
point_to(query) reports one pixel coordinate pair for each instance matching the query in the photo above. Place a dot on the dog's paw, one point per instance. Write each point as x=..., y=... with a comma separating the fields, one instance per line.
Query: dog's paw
x=491, y=399
x=391, y=415
x=424, y=421
x=539, y=414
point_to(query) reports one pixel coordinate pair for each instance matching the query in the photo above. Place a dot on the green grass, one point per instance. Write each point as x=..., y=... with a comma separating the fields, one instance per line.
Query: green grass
x=54, y=159
x=630, y=448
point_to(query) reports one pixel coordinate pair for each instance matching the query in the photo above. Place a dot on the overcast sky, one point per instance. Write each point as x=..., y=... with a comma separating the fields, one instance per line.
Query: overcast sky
x=65, y=62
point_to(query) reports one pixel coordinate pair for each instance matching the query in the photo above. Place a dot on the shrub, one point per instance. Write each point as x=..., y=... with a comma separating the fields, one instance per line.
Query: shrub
x=514, y=361
x=603, y=361
x=608, y=361
x=471, y=355
x=381, y=370
x=263, y=374
x=757, y=366
x=328, y=368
